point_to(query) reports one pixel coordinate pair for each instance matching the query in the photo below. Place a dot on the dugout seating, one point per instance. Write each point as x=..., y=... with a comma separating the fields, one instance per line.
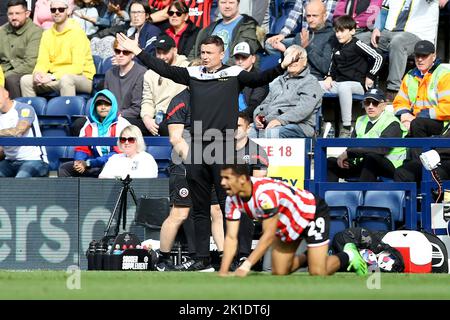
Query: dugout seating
x=343, y=206
x=381, y=210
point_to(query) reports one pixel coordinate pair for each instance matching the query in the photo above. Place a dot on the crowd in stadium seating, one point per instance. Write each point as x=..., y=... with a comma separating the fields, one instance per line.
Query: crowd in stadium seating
x=68, y=48
x=53, y=48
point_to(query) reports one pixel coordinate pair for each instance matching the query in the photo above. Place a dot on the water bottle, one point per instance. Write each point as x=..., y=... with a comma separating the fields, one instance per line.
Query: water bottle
x=100, y=251
x=159, y=117
x=91, y=254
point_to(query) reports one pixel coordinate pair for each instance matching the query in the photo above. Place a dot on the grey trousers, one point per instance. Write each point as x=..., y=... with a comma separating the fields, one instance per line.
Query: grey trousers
x=400, y=45
x=345, y=91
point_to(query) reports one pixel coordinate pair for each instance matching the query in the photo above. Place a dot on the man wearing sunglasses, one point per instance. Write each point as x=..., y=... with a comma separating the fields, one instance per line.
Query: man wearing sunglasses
x=64, y=61
x=368, y=164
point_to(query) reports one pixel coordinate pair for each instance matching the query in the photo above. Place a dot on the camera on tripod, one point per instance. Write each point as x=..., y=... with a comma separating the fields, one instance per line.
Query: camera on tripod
x=120, y=251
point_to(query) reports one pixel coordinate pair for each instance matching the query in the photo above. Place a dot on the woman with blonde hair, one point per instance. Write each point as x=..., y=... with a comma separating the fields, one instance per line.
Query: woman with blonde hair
x=133, y=160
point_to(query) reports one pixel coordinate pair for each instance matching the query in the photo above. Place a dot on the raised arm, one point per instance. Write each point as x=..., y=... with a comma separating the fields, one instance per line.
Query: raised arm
x=176, y=74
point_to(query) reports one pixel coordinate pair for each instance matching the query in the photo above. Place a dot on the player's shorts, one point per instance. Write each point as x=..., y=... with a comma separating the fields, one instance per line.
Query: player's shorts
x=317, y=233
x=179, y=188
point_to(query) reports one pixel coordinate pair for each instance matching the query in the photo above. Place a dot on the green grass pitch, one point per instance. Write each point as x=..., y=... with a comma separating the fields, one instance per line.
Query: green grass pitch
x=209, y=286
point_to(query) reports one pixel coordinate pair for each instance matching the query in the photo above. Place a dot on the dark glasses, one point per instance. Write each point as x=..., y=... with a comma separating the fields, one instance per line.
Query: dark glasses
x=178, y=13
x=125, y=139
x=61, y=10
x=124, y=52
x=368, y=102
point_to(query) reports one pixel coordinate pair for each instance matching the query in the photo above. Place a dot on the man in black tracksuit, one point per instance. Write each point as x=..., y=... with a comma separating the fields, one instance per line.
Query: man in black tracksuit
x=214, y=91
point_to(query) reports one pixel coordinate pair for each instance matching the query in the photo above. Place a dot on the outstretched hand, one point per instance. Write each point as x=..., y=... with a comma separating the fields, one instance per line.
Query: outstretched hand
x=128, y=44
x=289, y=59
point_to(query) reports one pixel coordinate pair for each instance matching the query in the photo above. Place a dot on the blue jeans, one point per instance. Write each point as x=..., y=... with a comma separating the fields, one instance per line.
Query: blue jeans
x=286, y=131
x=23, y=169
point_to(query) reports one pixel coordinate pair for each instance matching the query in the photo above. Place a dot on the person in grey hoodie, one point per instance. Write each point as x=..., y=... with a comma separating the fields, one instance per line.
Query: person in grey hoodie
x=289, y=111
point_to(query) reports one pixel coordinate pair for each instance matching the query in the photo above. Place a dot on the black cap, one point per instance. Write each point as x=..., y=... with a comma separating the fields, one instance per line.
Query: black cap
x=424, y=47
x=164, y=42
x=104, y=98
x=375, y=94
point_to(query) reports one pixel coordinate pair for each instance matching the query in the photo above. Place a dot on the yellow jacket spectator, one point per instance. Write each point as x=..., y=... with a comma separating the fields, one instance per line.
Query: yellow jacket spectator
x=64, y=61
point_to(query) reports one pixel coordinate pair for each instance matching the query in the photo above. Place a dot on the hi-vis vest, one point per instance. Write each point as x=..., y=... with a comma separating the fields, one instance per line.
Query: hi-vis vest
x=413, y=85
x=396, y=155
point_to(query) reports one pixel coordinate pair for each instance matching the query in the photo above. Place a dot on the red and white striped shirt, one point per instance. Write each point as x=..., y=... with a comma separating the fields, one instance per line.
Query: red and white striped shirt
x=295, y=207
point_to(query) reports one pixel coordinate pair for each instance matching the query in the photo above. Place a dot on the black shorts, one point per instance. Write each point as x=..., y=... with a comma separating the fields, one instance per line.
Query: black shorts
x=317, y=233
x=179, y=189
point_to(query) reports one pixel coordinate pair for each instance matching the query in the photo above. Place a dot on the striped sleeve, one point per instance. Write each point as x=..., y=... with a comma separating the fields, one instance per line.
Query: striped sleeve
x=268, y=202
x=231, y=210
x=373, y=55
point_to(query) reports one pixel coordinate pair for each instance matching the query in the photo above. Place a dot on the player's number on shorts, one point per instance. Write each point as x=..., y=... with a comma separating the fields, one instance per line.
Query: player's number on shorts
x=319, y=223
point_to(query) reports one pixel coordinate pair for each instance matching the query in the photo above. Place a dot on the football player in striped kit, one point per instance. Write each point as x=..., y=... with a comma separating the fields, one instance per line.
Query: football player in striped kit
x=288, y=215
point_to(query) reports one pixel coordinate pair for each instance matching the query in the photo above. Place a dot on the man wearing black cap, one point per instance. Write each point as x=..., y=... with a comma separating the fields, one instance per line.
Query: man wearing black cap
x=423, y=102
x=103, y=121
x=159, y=91
x=249, y=98
x=370, y=163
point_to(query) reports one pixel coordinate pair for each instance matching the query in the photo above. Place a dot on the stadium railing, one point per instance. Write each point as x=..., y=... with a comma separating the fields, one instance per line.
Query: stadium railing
x=320, y=184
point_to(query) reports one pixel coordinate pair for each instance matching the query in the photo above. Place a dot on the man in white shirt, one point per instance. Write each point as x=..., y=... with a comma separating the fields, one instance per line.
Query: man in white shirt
x=19, y=120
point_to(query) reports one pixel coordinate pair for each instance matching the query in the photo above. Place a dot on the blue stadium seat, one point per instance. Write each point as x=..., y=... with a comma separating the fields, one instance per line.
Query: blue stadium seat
x=98, y=62
x=86, y=107
x=267, y=61
x=98, y=83
x=54, y=126
x=38, y=103
x=162, y=155
x=54, y=154
x=65, y=106
x=107, y=64
x=343, y=205
x=381, y=209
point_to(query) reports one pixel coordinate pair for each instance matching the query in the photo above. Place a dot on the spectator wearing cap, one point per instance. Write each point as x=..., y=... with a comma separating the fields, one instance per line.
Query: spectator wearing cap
x=368, y=164
x=249, y=98
x=64, y=62
x=103, y=121
x=182, y=30
x=159, y=91
x=423, y=102
x=290, y=108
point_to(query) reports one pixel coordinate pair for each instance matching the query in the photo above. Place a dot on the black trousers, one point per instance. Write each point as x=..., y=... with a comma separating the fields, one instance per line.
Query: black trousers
x=203, y=172
x=67, y=170
x=411, y=171
x=423, y=128
x=12, y=84
x=368, y=170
